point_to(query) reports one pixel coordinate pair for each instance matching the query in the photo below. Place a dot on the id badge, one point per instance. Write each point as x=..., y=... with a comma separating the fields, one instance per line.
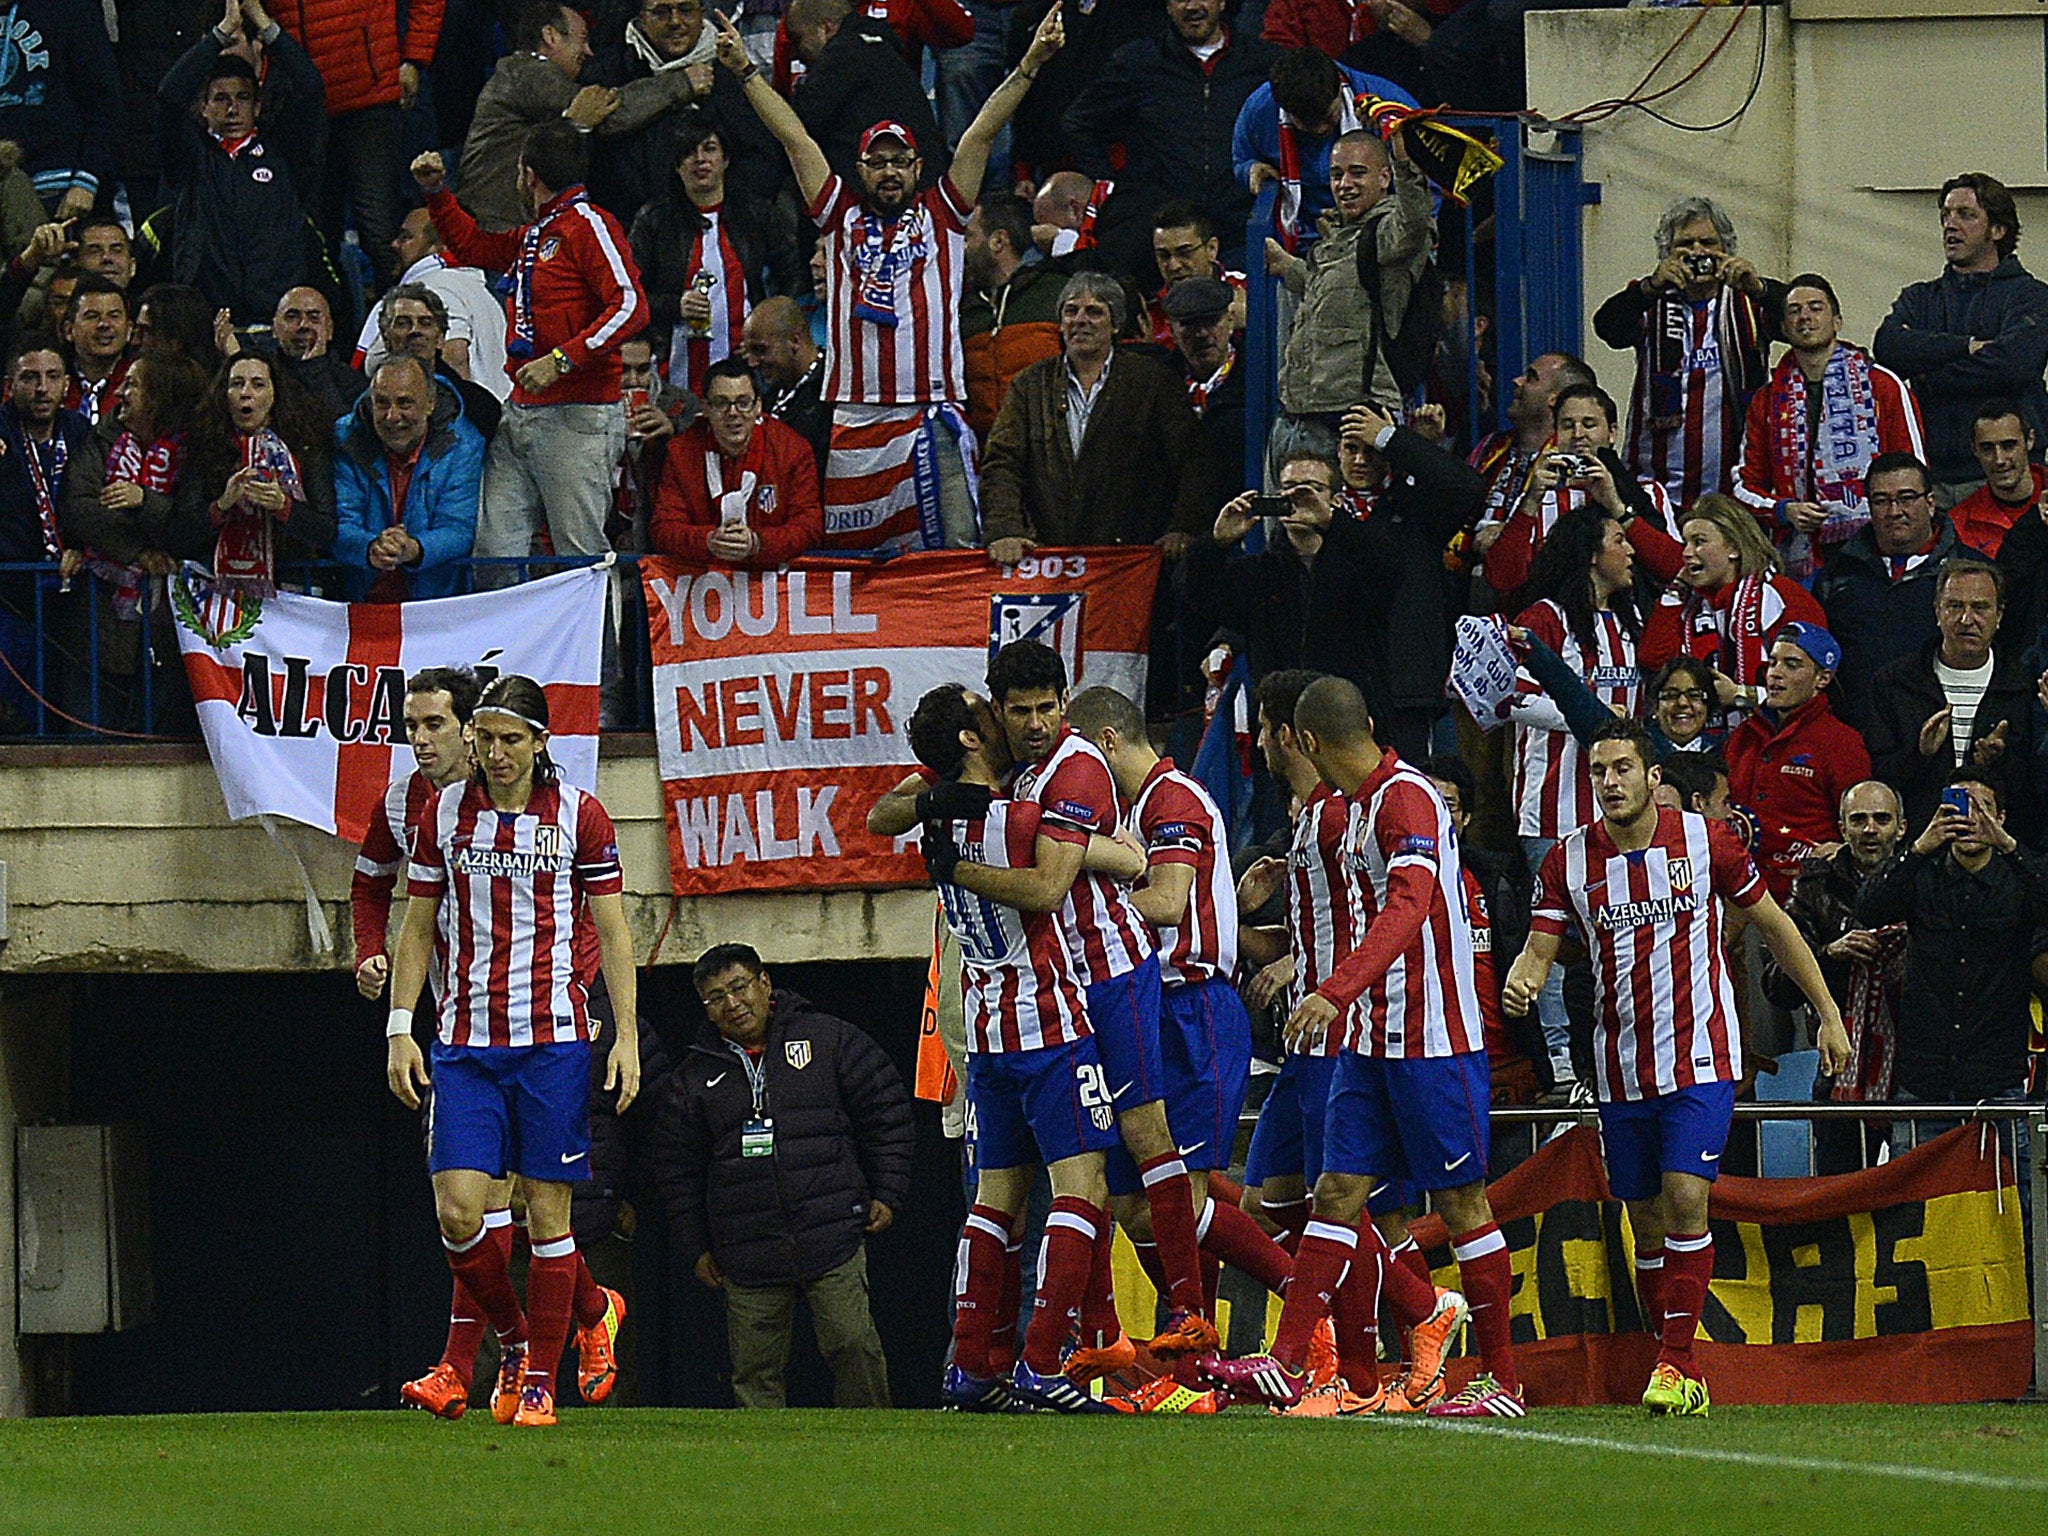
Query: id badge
x=757, y=1138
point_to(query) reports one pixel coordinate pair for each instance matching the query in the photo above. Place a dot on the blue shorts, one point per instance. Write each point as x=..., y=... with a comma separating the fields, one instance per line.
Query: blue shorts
x=521, y=1109
x=1682, y=1132
x=1422, y=1121
x=1205, y=1049
x=1041, y=1106
x=1289, y=1136
x=1123, y=1012
x=1393, y=1195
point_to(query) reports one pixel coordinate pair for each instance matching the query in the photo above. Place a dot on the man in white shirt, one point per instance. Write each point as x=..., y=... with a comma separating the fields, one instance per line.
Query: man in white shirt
x=475, y=345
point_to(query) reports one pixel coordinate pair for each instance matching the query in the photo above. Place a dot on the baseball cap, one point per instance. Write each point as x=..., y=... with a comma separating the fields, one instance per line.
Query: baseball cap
x=1823, y=647
x=886, y=129
x=1197, y=298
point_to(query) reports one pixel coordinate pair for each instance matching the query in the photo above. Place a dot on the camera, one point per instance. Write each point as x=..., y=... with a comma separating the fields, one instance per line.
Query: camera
x=1702, y=264
x=1577, y=466
x=1271, y=506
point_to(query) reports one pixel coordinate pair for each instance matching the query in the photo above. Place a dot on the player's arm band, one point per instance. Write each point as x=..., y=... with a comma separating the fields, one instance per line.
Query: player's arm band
x=398, y=1022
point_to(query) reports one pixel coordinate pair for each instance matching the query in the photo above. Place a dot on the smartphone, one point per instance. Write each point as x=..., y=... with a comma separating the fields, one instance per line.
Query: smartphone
x=1271, y=506
x=1956, y=798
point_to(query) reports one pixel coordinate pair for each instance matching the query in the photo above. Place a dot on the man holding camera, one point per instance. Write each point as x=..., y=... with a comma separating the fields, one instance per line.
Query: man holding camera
x=1701, y=326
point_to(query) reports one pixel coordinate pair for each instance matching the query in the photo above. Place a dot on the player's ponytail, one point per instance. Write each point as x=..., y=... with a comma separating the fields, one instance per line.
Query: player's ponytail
x=525, y=700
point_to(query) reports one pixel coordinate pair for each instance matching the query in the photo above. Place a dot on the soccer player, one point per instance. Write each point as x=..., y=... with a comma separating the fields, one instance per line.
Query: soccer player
x=506, y=862
x=1648, y=885
x=1033, y=1076
x=1408, y=1097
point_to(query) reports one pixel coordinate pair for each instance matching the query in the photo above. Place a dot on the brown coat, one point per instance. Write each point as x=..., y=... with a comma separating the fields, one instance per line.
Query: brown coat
x=1145, y=466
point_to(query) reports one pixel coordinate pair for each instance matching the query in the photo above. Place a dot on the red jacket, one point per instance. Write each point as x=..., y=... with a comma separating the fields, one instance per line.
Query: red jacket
x=356, y=46
x=1982, y=521
x=1729, y=629
x=786, y=509
x=586, y=292
x=1792, y=774
x=1331, y=26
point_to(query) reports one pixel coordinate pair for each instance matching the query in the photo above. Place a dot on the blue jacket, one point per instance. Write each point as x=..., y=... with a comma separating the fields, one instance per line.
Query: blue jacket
x=440, y=503
x=1257, y=138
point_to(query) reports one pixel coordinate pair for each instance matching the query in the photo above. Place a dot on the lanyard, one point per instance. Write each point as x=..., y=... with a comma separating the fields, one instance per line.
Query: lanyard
x=757, y=1076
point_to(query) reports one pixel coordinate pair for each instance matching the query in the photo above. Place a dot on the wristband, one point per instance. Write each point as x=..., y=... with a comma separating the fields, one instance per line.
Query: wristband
x=399, y=1022
x=1027, y=74
x=749, y=73
x=562, y=360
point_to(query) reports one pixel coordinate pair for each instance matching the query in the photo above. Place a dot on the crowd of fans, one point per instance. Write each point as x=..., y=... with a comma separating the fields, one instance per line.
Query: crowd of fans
x=655, y=279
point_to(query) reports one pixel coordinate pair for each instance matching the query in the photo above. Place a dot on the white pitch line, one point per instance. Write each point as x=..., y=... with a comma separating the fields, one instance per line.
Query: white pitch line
x=1941, y=1475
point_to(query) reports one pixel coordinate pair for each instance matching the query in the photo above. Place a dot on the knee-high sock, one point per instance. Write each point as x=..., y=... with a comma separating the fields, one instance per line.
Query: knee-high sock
x=480, y=1265
x=1488, y=1280
x=1319, y=1265
x=1235, y=1238
x=1650, y=1286
x=1355, y=1312
x=1148, y=1261
x=1002, y=1337
x=1291, y=1217
x=465, y=1312
x=1408, y=1254
x=1688, y=1271
x=550, y=1296
x=1172, y=1199
x=1064, y=1260
x=1099, y=1323
x=1410, y=1297
x=588, y=1307
x=978, y=1289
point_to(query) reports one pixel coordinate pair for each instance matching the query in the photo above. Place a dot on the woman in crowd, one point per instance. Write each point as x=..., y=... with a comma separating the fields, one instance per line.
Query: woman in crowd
x=260, y=491
x=118, y=508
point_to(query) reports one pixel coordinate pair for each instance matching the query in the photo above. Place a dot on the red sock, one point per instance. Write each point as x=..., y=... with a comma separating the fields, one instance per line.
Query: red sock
x=550, y=1296
x=1650, y=1286
x=590, y=1304
x=1100, y=1325
x=1064, y=1261
x=1355, y=1312
x=1688, y=1271
x=1235, y=1238
x=1487, y=1279
x=1212, y=1277
x=1148, y=1261
x=978, y=1303
x=1410, y=1298
x=480, y=1265
x=1002, y=1336
x=1291, y=1217
x=1409, y=1256
x=1319, y=1263
x=465, y=1312
x=1225, y=1190
x=1172, y=1199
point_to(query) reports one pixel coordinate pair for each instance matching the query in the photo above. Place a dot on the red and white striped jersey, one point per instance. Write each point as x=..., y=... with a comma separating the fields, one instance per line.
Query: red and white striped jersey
x=387, y=844
x=1019, y=987
x=1422, y=1001
x=1553, y=791
x=1105, y=937
x=1664, y=1015
x=920, y=257
x=1485, y=974
x=1695, y=449
x=1179, y=824
x=518, y=885
x=688, y=353
x=1324, y=920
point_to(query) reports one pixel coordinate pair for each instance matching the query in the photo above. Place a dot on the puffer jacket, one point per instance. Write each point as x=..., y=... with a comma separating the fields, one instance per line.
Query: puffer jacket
x=1325, y=368
x=358, y=47
x=843, y=1138
x=440, y=500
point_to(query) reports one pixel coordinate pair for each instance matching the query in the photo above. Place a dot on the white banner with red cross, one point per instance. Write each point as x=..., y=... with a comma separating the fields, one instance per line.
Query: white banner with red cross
x=781, y=698
x=302, y=700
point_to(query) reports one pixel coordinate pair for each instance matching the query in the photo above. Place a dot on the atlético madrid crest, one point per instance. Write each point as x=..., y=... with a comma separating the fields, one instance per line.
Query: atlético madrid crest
x=1051, y=618
x=220, y=619
x=798, y=1052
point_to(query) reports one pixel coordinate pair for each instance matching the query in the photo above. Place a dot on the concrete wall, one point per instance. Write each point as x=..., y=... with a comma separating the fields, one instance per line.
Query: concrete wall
x=35, y=1039
x=1833, y=168
x=125, y=860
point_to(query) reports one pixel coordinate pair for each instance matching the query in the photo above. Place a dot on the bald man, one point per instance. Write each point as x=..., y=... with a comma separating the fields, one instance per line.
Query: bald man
x=1059, y=214
x=303, y=328
x=777, y=342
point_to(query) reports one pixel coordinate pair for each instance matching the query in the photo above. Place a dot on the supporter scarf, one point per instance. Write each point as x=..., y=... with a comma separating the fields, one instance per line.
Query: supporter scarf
x=732, y=506
x=153, y=466
x=1199, y=390
x=1288, y=214
x=1084, y=237
x=1869, y=1016
x=1737, y=321
x=245, y=555
x=1732, y=639
x=44, y=486
x=520, y=340
x=880, y=257
x=1830, y=471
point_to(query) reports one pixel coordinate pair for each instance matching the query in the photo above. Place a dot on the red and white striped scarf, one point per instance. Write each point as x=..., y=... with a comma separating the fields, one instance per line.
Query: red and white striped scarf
x=1288, y=214
x=245, y=554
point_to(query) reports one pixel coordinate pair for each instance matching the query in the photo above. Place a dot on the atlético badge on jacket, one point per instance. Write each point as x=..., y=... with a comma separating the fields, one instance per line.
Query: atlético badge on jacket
x=798, y=1052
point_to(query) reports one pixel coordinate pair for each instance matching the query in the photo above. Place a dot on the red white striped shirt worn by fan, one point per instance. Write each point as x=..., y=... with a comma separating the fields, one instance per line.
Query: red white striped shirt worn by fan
x=1553, y=792
x=920, y=257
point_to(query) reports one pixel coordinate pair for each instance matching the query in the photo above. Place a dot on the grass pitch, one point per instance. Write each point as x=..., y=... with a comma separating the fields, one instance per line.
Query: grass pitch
x=1746, y=1470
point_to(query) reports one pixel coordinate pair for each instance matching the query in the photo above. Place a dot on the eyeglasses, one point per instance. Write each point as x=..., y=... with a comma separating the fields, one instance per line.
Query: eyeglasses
x=1903, y=499
x=731, y=994
x=889, y=162
x=732, y=407
x=1682, y=696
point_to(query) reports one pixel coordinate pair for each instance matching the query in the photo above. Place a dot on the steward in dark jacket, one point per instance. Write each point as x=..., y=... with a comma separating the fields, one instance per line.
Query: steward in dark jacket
x=842, y=1136
x=1907, y=694
x=239, y=227
x=1878, y=619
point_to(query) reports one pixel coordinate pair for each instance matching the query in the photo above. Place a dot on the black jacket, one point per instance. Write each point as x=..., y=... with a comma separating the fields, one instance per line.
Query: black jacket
x=618, y=1143
x=334, y=385
x=1877, y=620
x=664, y=238
x=2024, y=559
x=843, y=1137
x=307, y=535
x=859, y=80
x=21, y=524
x=1907, y=693
x=806, y=414
x=238, y=234
x=61, y=100
x=1927, y=338
x=1174, y=120
x=1964, y=1014
x=627, y=169
x=1823, y=906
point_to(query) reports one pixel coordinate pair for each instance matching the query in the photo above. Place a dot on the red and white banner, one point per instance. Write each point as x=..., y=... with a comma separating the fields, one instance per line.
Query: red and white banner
x=302, y=701
x=781, y=697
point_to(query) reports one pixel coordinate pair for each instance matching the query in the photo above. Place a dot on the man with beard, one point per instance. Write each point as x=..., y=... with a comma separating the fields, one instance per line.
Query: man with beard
x=1011, y=318
x=894, y=260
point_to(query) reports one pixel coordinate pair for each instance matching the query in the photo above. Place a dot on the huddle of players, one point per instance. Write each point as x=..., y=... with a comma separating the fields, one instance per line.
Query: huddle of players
x=515, y=918
x=1384, y=1092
